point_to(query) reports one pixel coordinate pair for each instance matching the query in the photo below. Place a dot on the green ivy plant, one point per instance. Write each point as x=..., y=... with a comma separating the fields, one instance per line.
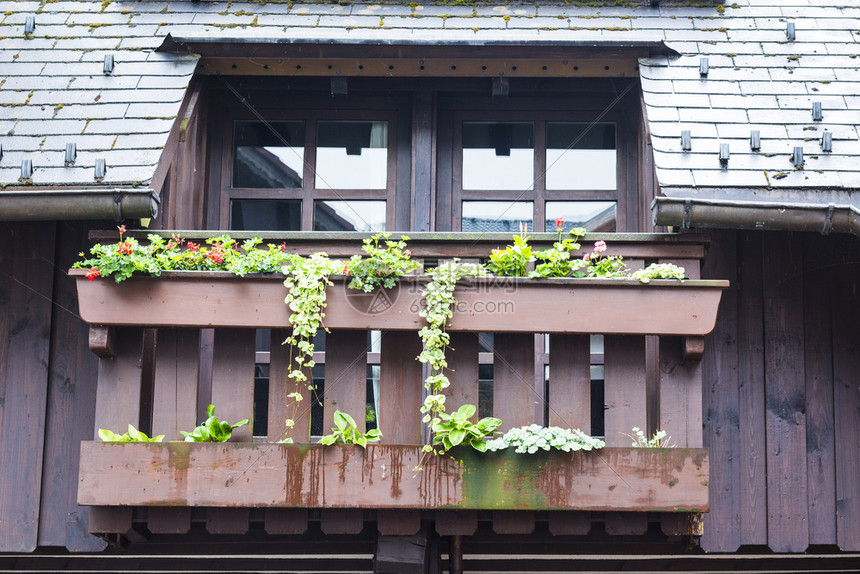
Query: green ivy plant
x=213, y=430
x=133, y=435
x=438, y=295
x=306, y=282
x=346, y=431
x=530, y=439
x=457, y=428
x=383, y=266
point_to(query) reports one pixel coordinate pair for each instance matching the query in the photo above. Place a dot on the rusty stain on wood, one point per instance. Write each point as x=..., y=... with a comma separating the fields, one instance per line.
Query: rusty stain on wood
x=312, y=476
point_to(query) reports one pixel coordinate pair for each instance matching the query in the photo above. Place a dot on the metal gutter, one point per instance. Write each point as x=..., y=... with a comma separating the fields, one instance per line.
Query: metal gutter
x=824, y=218
x=65, y=204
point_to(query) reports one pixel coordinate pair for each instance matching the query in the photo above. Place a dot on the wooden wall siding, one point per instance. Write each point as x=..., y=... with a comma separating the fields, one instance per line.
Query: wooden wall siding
x=781, y=475
x=846, y=397
x=27, y=340
x=720, y=402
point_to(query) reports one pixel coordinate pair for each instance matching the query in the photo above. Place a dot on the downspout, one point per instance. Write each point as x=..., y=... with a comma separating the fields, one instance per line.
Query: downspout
x=66, y=204
x=728, y=214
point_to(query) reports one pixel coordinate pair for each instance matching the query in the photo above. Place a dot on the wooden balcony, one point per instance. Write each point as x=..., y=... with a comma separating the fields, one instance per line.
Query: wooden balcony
x=170, y=345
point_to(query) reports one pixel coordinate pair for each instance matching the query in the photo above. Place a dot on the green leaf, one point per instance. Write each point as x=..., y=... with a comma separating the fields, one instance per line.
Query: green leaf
x=466, y=410
x=456, y=436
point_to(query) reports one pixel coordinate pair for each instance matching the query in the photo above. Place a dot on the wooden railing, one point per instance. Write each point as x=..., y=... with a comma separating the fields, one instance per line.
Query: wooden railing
x=166, y=353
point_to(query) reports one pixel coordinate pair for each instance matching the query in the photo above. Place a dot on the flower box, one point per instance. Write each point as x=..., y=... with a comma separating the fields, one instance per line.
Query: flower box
x=611, y=306
x=313, y=476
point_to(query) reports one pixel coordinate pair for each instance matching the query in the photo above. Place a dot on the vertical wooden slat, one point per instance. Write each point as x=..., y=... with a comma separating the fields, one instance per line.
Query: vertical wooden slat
x=287, y=520
x=400, y=388
x=818, y=289
x=680, y=398
x=752, y=459
x=227, y=520
x=281, y=407
x=117, y=406
x=462, y=360
x=625, y=398
x=345, y=377
x=342, y=521
x=177, y=367
x=7, y=236
x=233, y=397
x=720, y=402
x=680, y=394
x=346, y=391
x=570, y=382
x=456, y=522
x=26, y=396
x=71, y=404
x=513, y=379
x=572, y=523
x=398, y=522
x=233, y=379
x=785, y=393
x=846, y=398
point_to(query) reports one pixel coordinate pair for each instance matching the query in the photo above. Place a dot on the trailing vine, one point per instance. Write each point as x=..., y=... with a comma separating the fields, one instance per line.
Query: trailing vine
x=439, y=298
x=306, y=282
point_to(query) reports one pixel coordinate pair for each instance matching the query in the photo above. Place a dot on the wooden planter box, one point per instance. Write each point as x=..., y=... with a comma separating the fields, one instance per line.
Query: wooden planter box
x=611, y=306
x=274, y=475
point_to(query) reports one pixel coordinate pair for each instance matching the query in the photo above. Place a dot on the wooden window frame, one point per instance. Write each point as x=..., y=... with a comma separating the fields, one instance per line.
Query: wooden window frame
x=360, y=108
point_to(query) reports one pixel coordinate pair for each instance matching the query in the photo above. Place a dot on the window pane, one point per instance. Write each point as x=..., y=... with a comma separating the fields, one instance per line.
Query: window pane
x=497, y=216
x=580, y=156
x=268, y=155
x=352, y=155
x=498, y=156
x=592, y=215
x=349, y=216
x=266, y=214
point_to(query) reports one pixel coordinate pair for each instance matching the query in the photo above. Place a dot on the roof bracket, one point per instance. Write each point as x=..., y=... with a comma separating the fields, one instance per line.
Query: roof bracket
x=117, y=203
x=790, y=32
x=339, y=86
x=686, y=140
x=501, y=87
x=688, y=210
x=828, y=220
x=827, y=141
x=29, y=25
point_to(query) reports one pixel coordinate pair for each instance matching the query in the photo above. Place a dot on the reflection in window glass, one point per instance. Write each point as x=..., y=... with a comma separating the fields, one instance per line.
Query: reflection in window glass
x=580, y=156
x=352, y=155
x=266, y=214
x=497, y=216
x=268, y=155
x=498, y=156
x=349, y=216
x=592, y=215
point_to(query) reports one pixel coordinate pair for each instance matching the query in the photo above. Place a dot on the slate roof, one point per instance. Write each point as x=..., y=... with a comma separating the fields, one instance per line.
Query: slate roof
x=53, y=90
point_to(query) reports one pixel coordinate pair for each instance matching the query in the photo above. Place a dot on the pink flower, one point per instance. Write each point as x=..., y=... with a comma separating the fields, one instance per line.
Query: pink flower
x=121, y=229
x=346, y=270
x=93, y=273
x=586, y=257
x=193, y=246
x=559, y=223
x=600, y=247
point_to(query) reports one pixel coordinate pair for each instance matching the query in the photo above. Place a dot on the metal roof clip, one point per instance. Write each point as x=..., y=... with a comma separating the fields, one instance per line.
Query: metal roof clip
x=101, y=168
x=724, y=154
x=688, y=210
x=827, y=141
x=29, y=24
x=703, y=66
x=828, y=220
x=26, y=168
x=755, y=140
x=817, y=114
x=686, y=140
x=797, y=156
x=71, y=153
x=108, y=67
x=790, y=32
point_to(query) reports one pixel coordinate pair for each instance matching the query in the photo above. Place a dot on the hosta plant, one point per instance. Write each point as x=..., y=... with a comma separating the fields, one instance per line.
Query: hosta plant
x=346, y=431
x=213, y=430
x=457, y=428
x=133, y=435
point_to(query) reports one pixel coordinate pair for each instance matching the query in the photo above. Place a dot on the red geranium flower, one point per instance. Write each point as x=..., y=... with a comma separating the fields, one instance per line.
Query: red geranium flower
x=93, y=273
x=559, y=223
